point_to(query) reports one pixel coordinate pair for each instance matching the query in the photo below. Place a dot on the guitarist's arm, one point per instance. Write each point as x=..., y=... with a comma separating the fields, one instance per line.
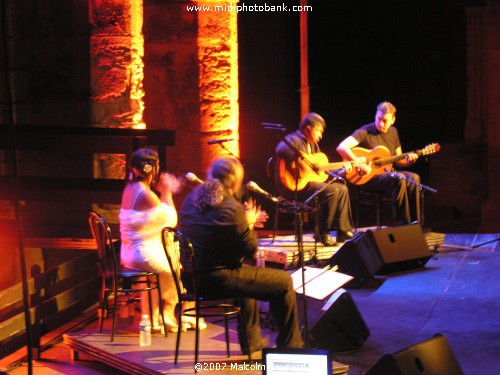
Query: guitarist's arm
x=345, y=150
x=410, y=158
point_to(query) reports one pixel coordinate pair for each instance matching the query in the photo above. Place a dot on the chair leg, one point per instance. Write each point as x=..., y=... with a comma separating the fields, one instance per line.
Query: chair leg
x=197, y=339
x=379, y=203
x=113, y=308
x=276, y=216
x=357, y=209
x=160, y=304
x=226, y=329
x=245, y=333
x=179, y=330
x=316, y=223
x=150, y=300
x=102, y=305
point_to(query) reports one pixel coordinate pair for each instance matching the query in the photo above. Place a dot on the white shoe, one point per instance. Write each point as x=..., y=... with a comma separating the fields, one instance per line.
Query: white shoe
x=190, y=323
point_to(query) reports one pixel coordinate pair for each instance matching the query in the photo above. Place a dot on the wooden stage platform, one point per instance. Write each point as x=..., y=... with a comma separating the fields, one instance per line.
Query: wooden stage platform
x=455, y=294
x=126, y=355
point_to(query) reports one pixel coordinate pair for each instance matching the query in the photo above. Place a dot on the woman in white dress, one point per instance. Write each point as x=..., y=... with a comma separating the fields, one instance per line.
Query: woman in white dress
x=143, y=214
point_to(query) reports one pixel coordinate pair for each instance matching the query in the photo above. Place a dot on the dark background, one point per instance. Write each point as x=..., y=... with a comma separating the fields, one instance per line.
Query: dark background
x=360, y=53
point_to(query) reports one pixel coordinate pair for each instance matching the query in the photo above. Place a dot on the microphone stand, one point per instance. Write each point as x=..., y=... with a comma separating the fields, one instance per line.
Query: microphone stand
x=315, y=207
x=229, y=151
x=421, y=188
x=298, y=209
x=299, y=155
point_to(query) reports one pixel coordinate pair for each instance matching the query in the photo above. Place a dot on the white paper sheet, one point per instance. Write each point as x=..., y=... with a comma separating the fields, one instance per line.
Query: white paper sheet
x=319, y=282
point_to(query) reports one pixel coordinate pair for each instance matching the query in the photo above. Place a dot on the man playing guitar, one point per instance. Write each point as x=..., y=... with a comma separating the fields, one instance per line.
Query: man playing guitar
x=296, y=155
x=381, y=136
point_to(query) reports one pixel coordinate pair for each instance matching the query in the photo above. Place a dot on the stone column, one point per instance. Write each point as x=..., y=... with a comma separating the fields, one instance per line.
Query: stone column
x=218, y=63
x=116, y=74
x=116, y=52
x=191, y=78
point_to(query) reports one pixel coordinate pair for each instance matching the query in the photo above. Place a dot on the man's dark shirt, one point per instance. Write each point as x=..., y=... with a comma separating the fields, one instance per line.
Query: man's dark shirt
x=221, y=235
x=370, y=137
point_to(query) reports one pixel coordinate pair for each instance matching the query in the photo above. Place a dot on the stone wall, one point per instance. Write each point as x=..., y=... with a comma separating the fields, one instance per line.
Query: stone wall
x=191, y=79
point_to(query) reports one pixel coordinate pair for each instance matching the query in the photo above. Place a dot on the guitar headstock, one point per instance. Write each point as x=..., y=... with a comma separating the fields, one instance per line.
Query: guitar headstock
x=431, y=149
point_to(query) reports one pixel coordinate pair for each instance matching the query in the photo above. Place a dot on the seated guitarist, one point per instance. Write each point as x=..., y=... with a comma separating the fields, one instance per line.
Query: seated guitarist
x=335, y=206
x=406, y=205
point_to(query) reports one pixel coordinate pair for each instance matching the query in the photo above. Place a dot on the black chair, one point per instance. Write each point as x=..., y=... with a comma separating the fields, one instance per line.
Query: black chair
x=116, y=278
x=372, y=198
x=182, y=260
x=271, y=171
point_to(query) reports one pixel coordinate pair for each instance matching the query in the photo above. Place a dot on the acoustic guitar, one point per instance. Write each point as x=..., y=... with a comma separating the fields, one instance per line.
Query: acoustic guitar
x=288, y=172
x=379, y=158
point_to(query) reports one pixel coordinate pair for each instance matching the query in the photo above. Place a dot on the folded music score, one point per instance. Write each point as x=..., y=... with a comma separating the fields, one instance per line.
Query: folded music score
x=319, y=282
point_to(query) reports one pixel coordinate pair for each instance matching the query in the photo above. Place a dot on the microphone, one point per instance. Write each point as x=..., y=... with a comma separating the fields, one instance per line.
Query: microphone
x=219, y=141
x=274, y=127
x=191, y=177
x=271, y=125
x=257, y=189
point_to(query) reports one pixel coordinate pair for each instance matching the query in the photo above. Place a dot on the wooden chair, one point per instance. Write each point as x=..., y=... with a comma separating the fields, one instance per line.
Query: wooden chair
x=116, y=278
x=182, y=260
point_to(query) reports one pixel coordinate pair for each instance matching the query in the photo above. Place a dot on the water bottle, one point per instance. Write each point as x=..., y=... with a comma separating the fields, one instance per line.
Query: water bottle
x=261, y=262
x=145, y=331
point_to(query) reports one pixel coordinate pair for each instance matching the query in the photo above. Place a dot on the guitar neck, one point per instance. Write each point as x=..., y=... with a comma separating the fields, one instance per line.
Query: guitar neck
x=394, y=159
x=331, y=166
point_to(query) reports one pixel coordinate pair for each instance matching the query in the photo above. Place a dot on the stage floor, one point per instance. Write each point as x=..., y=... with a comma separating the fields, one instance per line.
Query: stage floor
x=456, y=294
x=126, y=355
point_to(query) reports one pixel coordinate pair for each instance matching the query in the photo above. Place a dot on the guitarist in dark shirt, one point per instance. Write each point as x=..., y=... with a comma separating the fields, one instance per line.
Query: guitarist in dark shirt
x=382, y=140
x=293, y=152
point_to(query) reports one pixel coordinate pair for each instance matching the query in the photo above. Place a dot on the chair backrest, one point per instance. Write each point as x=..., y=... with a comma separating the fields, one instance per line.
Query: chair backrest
x=105, y=243
x=181, y=259
x=271, y=171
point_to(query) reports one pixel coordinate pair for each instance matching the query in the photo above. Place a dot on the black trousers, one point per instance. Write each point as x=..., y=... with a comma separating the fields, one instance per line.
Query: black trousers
x=334, y=204
x=405, y=195
x=254, y=284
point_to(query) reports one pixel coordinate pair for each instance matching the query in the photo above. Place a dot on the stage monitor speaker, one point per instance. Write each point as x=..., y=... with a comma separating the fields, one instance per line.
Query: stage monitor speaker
x=334, y=324
x=430, y=357
x=382, y=251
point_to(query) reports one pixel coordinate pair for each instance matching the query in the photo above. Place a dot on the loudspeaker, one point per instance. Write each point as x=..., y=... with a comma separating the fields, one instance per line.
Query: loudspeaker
x=382, y=251
x=335, y=324
x=430, y=357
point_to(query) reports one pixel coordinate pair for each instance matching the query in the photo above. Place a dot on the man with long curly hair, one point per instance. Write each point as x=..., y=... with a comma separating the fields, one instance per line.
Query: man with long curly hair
x=221, y=231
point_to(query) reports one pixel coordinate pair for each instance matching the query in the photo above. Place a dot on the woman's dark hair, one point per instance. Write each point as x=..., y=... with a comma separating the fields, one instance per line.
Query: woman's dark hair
x=143, y=162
